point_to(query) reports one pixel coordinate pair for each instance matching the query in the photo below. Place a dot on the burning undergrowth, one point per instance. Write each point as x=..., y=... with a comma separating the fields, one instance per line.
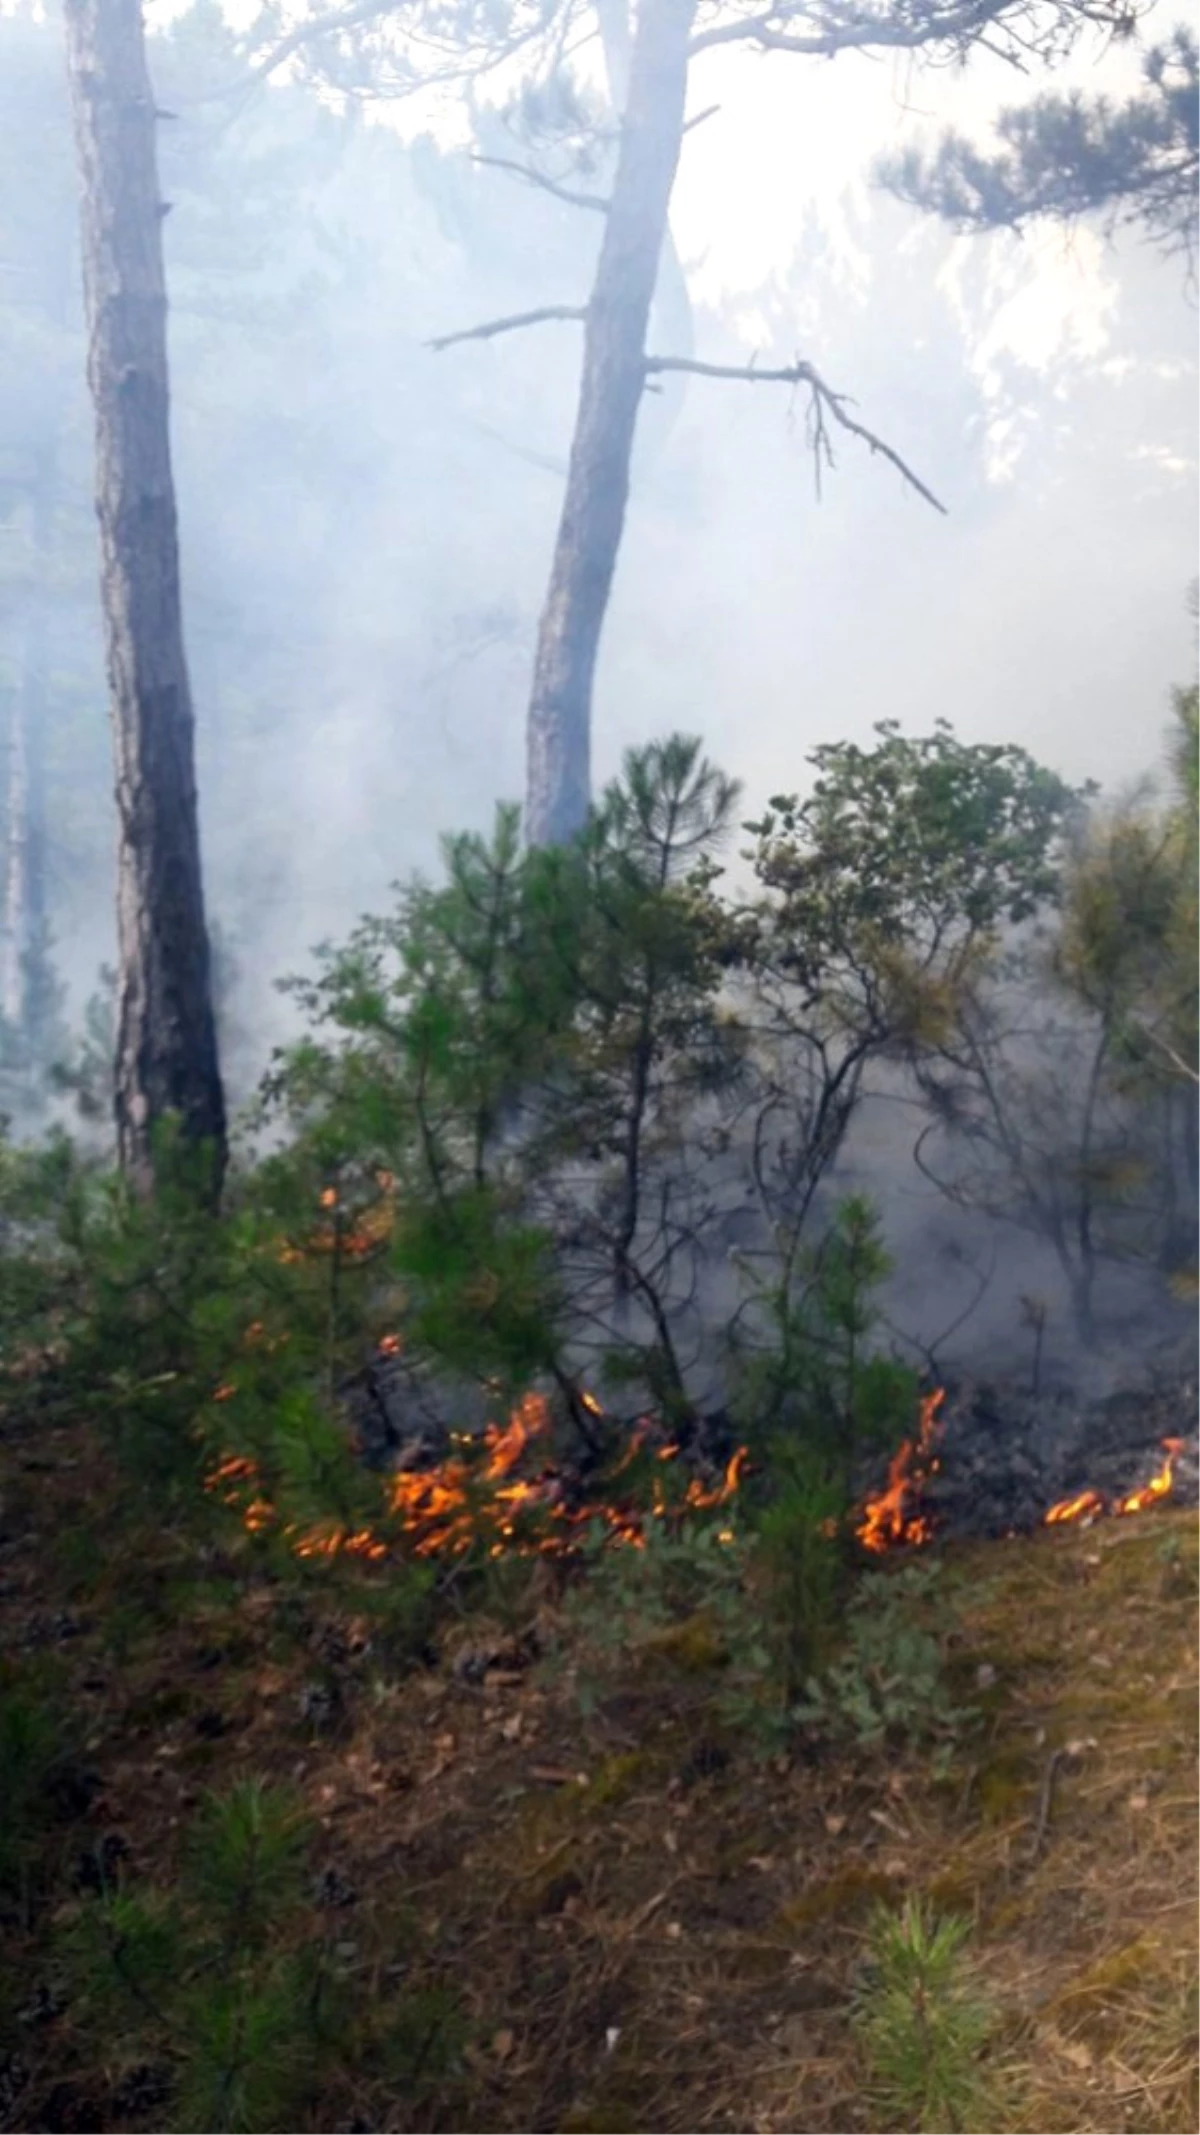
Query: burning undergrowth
x=992, y=1460
x=506, y=1491
x=983, y=1461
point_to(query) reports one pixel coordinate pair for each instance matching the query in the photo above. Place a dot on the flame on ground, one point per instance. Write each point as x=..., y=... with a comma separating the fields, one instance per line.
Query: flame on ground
x=1091, y=1504
x=892, y=1518
x=475, y=1496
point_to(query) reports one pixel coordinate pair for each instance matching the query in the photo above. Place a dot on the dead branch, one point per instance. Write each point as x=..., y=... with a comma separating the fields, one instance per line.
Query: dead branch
x=823, y=403
x=492, y=327
x=709, y=113
x=594, y=201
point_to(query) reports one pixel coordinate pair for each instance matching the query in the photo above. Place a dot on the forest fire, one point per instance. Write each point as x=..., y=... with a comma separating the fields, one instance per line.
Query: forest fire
x=896, y=1518
x=504, y=1491
x=474, y=1496
x=892, y=1518
x=1092, y=1504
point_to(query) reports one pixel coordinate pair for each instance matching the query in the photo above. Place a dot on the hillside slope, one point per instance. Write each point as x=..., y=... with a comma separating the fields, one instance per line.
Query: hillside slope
x=614, y=1914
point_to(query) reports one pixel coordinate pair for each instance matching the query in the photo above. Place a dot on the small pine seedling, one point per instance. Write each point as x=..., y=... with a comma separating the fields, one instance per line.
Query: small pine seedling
x=923, y=2025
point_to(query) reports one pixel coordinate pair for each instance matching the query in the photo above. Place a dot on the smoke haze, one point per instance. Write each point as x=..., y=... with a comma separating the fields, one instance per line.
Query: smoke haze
x=366, y=525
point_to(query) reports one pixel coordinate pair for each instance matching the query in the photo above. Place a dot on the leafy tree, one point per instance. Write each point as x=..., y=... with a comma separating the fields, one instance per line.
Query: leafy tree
x=1064, y=157
x=882, y=898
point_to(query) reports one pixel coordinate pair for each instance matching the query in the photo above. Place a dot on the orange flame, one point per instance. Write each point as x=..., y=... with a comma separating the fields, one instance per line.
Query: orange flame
x=1090, y=1504
x=888, y=1519
x=443, y=1510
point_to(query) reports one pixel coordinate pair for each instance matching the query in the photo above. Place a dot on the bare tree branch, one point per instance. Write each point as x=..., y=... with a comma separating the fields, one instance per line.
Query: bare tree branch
x=709, y=113
x=452, y=58
x=823, y=403
x=304, y=32
x=491, y=327
x=338, y=18
x=595, y=201
x=1176, y=1059
x=789, y=27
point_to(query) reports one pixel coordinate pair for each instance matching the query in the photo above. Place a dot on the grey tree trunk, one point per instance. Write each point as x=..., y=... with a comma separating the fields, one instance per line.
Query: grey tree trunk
x=671, y=311
x=166, y=1061
x=558, y=785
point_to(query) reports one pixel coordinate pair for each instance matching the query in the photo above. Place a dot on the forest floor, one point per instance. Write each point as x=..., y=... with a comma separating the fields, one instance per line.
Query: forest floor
x=616, y=1914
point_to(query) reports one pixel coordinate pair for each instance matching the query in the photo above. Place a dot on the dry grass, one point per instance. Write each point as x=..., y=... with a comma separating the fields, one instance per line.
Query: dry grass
x=632, y=1921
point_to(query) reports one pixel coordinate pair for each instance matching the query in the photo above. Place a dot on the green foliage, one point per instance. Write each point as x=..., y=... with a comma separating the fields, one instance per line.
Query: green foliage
x=914, y=843
x=480, y=1290
x=521, y=1048
x=251, y=2048
x=806, y=1365
x=151, y=1309
x=627, y=1595
x=1062, y=157
x=923, y=2025
x=247, y=1853
x=217, y=1973
x=799, y=1558
x=888, y=1683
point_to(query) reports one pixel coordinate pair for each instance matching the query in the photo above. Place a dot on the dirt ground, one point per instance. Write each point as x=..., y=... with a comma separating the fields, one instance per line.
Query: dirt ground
x=625, y=1919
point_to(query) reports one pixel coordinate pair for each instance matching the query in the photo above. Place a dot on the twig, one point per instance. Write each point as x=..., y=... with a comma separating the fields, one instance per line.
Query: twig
x=491, y=327
x=594, y=201
x=823, y=401
x=1176, y=1059
x=709, y=113
x=1049, y=1776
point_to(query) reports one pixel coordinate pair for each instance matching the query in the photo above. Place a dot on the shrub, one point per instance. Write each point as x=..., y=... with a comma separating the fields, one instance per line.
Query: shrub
x=217, y=1976
x=923, y=2025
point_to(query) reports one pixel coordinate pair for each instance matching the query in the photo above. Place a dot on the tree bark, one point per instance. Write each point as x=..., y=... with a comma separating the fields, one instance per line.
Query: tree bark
x=166, y=1063
x=589, y=534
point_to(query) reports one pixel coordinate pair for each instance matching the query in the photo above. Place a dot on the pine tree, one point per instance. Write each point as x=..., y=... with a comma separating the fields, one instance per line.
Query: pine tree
x=1062, y=157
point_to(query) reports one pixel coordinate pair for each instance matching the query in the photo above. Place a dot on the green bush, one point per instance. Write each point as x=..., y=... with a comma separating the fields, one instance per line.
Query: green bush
x=889, y=1683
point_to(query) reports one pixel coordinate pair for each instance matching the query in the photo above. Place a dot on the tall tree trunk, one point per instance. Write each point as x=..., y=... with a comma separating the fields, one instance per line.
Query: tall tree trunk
x=671, y=311
x=166, y=1043
x=589, y=534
